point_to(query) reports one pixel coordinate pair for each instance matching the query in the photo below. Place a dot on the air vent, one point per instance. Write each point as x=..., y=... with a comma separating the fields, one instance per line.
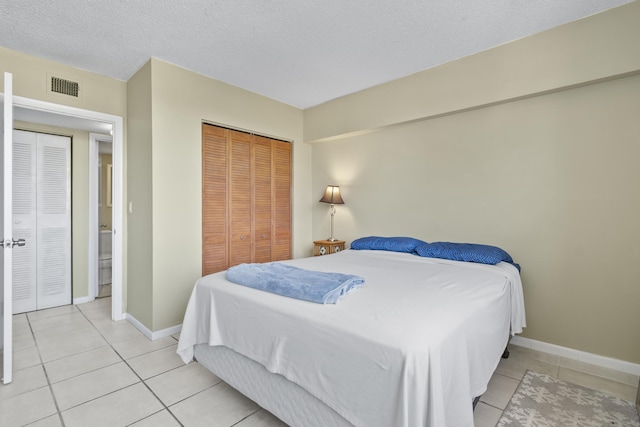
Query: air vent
x=65, y=87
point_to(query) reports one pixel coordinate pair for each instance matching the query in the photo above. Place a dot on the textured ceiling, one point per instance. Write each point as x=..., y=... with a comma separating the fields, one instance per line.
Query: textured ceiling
x=299, y=52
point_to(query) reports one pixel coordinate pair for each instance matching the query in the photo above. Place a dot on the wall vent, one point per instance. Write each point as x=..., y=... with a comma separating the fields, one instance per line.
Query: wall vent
x=65, y=87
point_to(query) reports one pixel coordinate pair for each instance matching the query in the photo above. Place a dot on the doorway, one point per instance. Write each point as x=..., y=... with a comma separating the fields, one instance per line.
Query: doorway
x=35, y=111
x=105, y=213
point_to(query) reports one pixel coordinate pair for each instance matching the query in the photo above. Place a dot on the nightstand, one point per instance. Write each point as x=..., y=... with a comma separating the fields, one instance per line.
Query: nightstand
x=325, y=247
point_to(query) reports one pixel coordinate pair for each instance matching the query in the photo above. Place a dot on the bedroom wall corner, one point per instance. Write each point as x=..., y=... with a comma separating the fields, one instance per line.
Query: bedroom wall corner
x=587, y=50
x=177, y=114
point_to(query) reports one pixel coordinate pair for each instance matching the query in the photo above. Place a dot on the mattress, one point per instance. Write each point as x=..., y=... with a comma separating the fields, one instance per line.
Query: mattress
x=412, y=347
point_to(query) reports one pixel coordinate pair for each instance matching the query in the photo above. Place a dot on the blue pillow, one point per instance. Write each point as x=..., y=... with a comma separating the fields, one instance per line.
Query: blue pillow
x=469, y=252
x=394, y=244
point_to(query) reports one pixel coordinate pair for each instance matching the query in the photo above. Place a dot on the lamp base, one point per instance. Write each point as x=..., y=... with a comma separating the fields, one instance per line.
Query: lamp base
x=332, y=239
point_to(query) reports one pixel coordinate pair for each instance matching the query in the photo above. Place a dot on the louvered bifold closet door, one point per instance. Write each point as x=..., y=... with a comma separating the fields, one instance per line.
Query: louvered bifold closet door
x=281, y=248
x=53, y=221
x=246, y=199
x=24, y=221
x=240, y=177
x=262, y=190
x=214, y=199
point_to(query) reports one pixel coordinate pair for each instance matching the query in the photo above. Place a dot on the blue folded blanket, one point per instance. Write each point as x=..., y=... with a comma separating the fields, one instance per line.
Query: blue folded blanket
x=293, y=282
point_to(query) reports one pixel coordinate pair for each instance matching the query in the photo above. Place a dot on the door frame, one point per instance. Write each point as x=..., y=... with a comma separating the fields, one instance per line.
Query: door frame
x=94, y=215
x=117, y=125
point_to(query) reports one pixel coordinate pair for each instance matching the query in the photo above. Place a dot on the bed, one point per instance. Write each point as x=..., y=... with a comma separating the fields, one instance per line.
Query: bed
x=412, y=347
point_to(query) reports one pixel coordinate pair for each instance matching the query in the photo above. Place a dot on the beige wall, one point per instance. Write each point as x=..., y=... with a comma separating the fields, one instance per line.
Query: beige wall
x=181, y=100
x=139, y=189
x=545, y=168
x=30, y=77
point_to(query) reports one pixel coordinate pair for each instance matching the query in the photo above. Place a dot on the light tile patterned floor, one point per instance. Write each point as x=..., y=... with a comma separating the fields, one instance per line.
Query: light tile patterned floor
x=75, y=367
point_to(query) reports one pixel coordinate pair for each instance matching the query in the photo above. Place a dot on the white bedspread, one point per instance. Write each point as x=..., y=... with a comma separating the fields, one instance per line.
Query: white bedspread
x=411, y=347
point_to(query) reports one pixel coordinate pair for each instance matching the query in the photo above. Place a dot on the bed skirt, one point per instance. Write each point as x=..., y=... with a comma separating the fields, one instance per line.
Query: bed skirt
x=284, y=399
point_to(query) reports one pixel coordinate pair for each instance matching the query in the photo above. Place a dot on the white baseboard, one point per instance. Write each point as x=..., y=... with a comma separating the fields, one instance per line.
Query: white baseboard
x=583, y=356
x=82, y=300
x=163, y=333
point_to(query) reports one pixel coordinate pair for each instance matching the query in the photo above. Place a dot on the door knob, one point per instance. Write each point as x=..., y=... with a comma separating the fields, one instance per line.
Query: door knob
x=14, y=242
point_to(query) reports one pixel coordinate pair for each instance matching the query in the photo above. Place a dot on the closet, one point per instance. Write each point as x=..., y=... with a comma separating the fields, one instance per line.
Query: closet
x=246, y=199
x=42, y=217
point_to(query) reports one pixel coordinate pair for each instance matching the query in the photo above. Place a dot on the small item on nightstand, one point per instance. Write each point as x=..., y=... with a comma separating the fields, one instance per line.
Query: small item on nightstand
x=326, y=247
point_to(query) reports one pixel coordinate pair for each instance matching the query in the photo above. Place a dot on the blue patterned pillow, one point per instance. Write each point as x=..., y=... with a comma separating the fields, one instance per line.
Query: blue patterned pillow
x=470, y=252
x=394, y=244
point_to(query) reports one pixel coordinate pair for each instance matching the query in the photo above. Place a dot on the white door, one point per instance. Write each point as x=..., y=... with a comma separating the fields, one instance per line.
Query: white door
x=24, y=221
x=53, y=223
x=6, y=269
x=42, y=217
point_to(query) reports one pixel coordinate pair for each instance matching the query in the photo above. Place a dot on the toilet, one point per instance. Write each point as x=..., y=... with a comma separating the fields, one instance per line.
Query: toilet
x=104, y=274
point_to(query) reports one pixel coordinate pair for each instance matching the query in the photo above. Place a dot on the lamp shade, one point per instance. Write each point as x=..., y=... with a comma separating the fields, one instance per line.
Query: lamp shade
x=332, y=195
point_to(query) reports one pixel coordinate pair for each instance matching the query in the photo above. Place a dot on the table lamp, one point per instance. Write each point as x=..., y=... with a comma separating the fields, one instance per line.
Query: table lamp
x=332, y=196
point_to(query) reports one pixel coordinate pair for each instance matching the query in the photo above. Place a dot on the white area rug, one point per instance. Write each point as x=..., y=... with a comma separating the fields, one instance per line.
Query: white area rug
x=543, y=401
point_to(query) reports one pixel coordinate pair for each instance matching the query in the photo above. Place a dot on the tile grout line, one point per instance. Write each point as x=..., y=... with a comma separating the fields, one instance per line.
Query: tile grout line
x=137, y=375
x=195, y=394
x=93, y=370
x=46, y=374
x=167, y=407
x=250, y=415
x=98, y=397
